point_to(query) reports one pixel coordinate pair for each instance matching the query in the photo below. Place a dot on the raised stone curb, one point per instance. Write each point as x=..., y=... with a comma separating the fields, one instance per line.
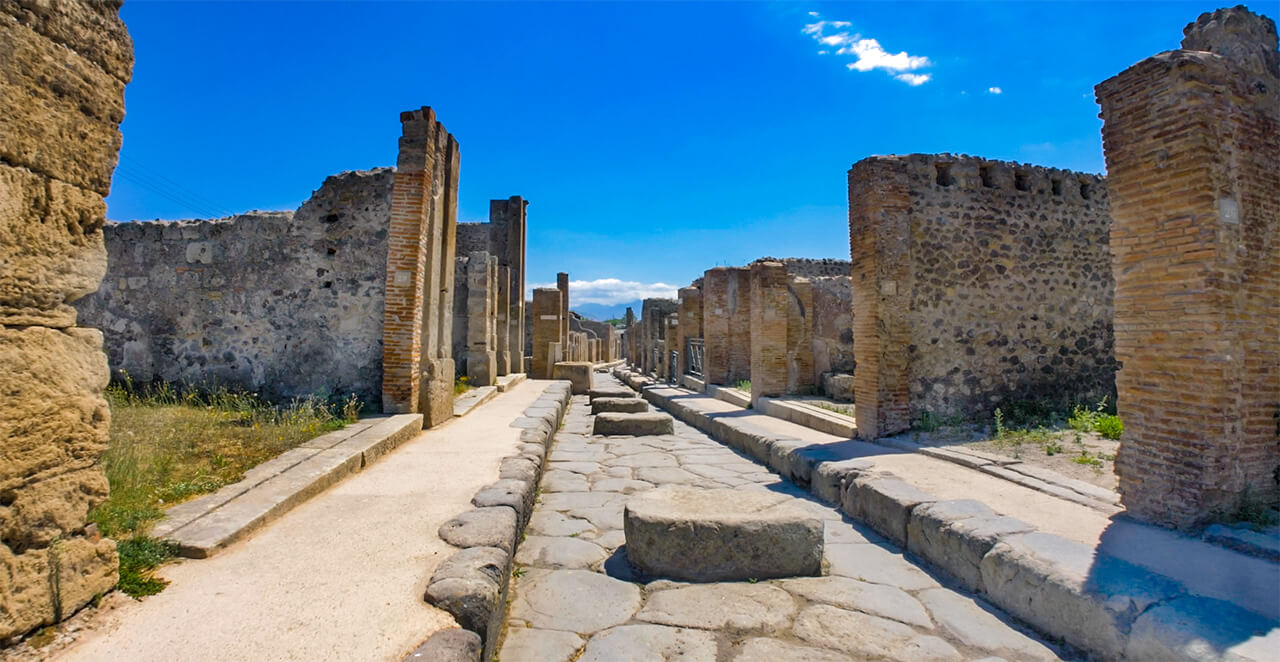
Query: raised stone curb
x=467, y=402
x=1108, y=607
x=452, y=645
x=472, y=583
x=648, y=423
x=203, y=526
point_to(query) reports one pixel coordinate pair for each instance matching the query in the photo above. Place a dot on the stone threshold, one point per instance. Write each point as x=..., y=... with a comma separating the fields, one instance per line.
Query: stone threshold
x=203, y=526
x=472, y=583
x=467, y=402
x=1140, y=593
x=507, y=382
x=801, y=412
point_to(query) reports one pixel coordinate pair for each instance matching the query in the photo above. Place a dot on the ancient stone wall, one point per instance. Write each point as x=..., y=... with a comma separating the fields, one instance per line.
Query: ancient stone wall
x=690, y=325
x=976, y=282
x=285, y=304
x=726, y=324
x=804, y=267
x=63, y=68
x=1192, y=141
x=653, y=316
x=418, y=365
x=546, y=330
x=770, y=300
x=832, y=331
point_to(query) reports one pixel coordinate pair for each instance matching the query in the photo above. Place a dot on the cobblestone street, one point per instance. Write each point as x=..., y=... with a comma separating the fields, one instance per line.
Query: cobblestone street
x=575, y=591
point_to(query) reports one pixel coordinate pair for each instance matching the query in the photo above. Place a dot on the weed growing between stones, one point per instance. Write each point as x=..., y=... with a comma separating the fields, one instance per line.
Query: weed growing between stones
x=168, y=444
x=744, y=386
x=843, y=410
x=461, y=385
x=1096, y=420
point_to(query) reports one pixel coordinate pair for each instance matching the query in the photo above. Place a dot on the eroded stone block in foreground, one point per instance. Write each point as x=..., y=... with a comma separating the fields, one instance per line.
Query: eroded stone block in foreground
x=650, y=423
x=706, y=535
x=619, y=405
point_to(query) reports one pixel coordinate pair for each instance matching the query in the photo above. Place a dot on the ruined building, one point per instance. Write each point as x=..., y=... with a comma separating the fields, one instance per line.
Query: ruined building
x=63, y=70
x=488, y=331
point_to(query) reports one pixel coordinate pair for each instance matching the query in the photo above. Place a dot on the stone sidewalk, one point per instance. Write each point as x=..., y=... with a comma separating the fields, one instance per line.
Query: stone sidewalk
x=341, y=577
x=576, y=595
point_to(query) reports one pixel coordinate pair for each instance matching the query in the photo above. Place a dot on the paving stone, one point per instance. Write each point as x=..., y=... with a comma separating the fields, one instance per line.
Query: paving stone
x=575, y=467
x=482, y=527
x=565, y=481
x=519, y=469
x=611, y=540
x=875, y=599
x=973, y=624
x=709, y=471
x=451, y=645
x=1199, y=629
x=760, y=608
x=843, y=532
x=572, y=500
x=650, y=643
x=607, y=517
x=773, y=650
x=515, y=494
x=552, y=523
x=651, y=423
x=573, y=600
x=623, y=485
x=869, y=637
x=721, y=535
x=665, y=475
x=654, y=459
x=619, y=472
x=537, y=645
x=874, y=563
x=559, y=552
x=593, y=455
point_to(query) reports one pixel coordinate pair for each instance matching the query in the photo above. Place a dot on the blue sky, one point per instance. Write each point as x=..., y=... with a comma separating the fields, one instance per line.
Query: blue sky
x=653, y=140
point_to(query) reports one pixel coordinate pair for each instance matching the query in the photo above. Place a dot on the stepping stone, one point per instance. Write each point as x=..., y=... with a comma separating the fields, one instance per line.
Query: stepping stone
x=721, y=535
x=652, y=423
x=578, y=373
x=623, y=405
x=553, y=552
x=612, y=392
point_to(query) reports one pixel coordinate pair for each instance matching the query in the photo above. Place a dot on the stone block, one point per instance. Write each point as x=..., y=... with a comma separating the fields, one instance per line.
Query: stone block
x=511, y=492
x=469, y=585
x=482, y=527
x=829, y=479
x=619, y=405
x=60, y=116
x=652, y=423
x=886, y=503
x=482, y=367
x=955, y=535
x=611, y=392
x=435, y=391
x=578, y=373
x=451, y=645
x=1196, y=629
x=92, y=29
x=721, y=535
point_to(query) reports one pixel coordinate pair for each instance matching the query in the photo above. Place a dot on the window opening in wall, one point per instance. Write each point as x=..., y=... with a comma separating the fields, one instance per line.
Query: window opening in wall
x=1020, y=181
x=944, y=174
x=1084, y=189
x=985, y=173
x=1057, y=186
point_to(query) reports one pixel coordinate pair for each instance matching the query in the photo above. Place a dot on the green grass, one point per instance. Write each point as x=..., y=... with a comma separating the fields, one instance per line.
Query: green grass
x=168, y=445
x=1096, y=420
x=743, y=385
x=461, y=385
x=843, y=410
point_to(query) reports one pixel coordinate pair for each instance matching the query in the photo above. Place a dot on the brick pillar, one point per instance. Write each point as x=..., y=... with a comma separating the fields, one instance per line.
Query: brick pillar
x=690, y=323
x=562, y=284
x=769, y=303
x=879, y=246
x=715, y=325
x=1193, y=160
x=63, y=69
x=435, y=393
x=481, y=359
x=800, y=317
x=502, y=327
x=546, y=329
x=738, y=305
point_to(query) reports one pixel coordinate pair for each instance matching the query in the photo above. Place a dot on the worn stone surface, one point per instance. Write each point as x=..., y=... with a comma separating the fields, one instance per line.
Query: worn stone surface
x=559, y=552
x=451, y=645
x=878, y=564
x=468, y=585
x=1201, y=630
x=976, y=625
x=761, y=649
x=621, y=405
x=864, y=636
x=535, y=644
x=483, y=527
x=875, y=599
x=651, y=423
x=573, y=600
x=721, y=535
x=886, y=504
x=605, y=391
x=578, y=373
x=955, y=535
x=722, y=606
x=63, y=68
x=640, y=643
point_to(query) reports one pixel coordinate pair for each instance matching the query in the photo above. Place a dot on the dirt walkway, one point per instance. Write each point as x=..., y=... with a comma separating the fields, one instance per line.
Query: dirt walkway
x=339, y=578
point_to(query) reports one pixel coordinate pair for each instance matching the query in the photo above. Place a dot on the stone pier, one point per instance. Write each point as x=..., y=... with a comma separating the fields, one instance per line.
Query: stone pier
x=769, y=305
x=1192, y=145
x=726, y=324
x=546, y=330
x=690, y=325
x=562, y=284
x=482, y=285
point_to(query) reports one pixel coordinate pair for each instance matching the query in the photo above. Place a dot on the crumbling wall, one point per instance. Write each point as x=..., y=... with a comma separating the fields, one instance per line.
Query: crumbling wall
x=285, y=304
x=63, y=69
x=833, y=360
x=726, y=324
x=976, y=282
x=1192, y=140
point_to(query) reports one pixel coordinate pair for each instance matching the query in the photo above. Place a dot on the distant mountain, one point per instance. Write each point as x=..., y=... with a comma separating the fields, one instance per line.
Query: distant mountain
x=602, y=312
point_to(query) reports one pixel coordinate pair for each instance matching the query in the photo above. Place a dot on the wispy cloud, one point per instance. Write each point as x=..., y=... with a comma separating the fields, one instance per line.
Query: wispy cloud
x=994, y=90
x=868, y=54
x=610, y=291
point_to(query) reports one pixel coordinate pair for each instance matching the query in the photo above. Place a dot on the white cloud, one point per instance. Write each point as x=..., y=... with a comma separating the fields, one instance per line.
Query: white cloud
x=994, y=90
x=869, y=54
x=610, y=291
x=914, y=80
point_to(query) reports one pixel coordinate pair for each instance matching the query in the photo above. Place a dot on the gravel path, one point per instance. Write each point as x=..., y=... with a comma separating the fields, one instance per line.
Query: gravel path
x=576, y=597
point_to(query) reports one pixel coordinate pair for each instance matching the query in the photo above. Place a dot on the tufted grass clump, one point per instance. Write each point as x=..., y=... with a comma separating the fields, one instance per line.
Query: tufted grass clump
x=168, y=444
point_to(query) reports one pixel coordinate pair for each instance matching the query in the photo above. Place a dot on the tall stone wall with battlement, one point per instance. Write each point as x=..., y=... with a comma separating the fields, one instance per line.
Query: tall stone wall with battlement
x=63, y=70
x=974, y=283
x=286, y=304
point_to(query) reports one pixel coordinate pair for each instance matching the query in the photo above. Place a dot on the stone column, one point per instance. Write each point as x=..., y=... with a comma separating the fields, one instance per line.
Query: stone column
x=690, y=324
x=1193, y=166
x=879, y=236
x=739, y=308
x=769, y=304
x=507, y=220
x=546, y=329
x=800, y=375
x=435, y=393
x=481, y=359
x=63, y=69
x=502, y=325
x=562, y=284
x=715, y=326
x=630, y=338
x=670, y=336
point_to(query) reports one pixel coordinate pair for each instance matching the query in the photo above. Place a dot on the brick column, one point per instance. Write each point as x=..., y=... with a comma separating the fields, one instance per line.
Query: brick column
x=690, y=323
x=1193, y=160
x=502, y=330
x=715, y=325
x=800, y=316
x=546, y=329
x=738, y=306
x=435, y=393
x=769, y=303
x=481, y=359
x=879, y=247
